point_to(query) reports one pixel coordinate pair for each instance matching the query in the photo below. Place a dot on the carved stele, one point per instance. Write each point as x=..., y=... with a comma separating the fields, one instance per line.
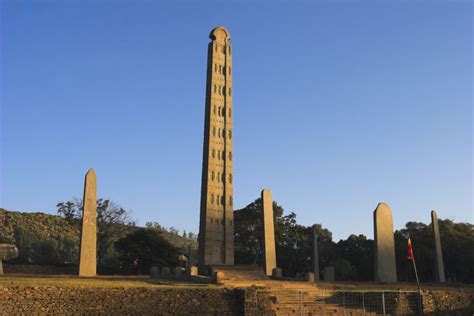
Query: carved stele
x=88, y=255
x=315, y=254
x=329, y=274
x=216, y=227
x=439, y=265
x=269, y=254
x=7, y=252
x=385, y=266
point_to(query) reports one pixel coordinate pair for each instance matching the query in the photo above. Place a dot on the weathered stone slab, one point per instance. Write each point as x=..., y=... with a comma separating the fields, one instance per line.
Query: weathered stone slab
x=329, y=274
x=219, y=277
x=310, y=277
x=179, y=273
x=269, y=253
x=277, y=273
x=155, y=272
x=192, y=271
x=7, y=252
x=88, y=254
x=439, y=264
x=165, y=272
x=385, y=264
x=315, y=254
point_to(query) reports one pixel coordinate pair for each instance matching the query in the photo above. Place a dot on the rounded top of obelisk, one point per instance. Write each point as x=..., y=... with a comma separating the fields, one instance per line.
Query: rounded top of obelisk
x=220, y=34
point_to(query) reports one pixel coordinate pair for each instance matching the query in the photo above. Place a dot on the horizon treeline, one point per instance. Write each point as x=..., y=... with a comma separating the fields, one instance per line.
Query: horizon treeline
x=44, y=239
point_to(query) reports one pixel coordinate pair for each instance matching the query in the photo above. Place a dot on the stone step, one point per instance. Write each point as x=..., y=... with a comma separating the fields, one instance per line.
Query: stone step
x=240, y=272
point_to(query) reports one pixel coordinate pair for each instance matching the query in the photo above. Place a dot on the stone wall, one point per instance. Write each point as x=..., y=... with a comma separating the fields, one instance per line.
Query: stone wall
x=57, y=300
x=460, y=302
x=39, y=269
x=194, y=301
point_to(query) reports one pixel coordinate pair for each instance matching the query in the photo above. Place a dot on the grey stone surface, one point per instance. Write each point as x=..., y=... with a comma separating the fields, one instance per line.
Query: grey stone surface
x=7, y=252
x=165, y=272
x=315, y=254
x=439, y=264
x=192, y=271
x=155, y=272
x=179, y=273
x=385, y=264
x=88, y=252
x=329, y=274
x=216, y=227
x=269, y=253
x=277, y=273
x=219, y=277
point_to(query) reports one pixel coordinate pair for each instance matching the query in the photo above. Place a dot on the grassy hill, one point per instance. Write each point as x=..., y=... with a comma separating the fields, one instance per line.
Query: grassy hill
x=50, y=239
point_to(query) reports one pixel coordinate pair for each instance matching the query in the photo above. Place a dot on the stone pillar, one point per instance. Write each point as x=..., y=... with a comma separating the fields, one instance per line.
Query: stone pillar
x=315, y=254
x=88, y=254
x=439, y=265
x=269, y=254
x=7, y=252
x=329, y=274
x=385, y=265
x=2, y=218
x=216, y=224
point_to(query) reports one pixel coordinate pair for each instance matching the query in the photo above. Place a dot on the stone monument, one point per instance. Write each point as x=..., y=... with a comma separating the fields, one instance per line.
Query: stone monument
x=315, y=254
x=385, y=265
x=439, y=265
x=216, y=232
x=88, y=252
x=7, y=251
x=269, y=254
x=329, y=274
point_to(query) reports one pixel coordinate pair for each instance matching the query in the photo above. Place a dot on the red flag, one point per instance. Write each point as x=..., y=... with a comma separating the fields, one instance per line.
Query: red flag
x=410, y=251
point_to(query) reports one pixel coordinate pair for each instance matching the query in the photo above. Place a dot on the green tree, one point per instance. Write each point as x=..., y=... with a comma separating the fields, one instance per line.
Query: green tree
x=457, y=242
x=143, y=248
x=113, y=222
x=293, y=241
x=359, y=252
x=248, y=230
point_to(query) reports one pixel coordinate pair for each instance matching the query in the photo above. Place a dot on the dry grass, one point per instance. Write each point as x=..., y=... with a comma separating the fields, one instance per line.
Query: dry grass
x=98, y=282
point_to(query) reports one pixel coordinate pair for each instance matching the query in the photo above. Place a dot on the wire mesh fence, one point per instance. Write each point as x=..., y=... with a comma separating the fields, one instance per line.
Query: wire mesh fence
x=318, y=302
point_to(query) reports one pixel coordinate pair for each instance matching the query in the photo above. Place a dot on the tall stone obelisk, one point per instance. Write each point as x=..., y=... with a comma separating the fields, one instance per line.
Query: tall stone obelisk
x=216, y=231
x=385, y=264
x=269, y=253
x=88, y=254
x=439, y=264
x=315, y=254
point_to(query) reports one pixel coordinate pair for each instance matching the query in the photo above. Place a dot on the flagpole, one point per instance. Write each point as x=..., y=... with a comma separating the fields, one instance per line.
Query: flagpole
x=416, y=274
x=420, y=297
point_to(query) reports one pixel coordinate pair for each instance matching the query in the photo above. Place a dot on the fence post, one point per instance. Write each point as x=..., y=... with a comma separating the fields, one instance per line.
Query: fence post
x=363, y=303
x=383, y=302
x=420, y=303
x=398, y=307
x=301, y=303
x=324, y=305
x=344, y=302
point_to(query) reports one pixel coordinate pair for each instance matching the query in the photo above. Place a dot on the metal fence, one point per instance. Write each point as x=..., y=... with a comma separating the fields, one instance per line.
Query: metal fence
x=327, y=302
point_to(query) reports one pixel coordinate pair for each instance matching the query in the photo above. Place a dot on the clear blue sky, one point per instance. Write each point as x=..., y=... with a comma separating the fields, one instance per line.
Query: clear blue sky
x=337, y=106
